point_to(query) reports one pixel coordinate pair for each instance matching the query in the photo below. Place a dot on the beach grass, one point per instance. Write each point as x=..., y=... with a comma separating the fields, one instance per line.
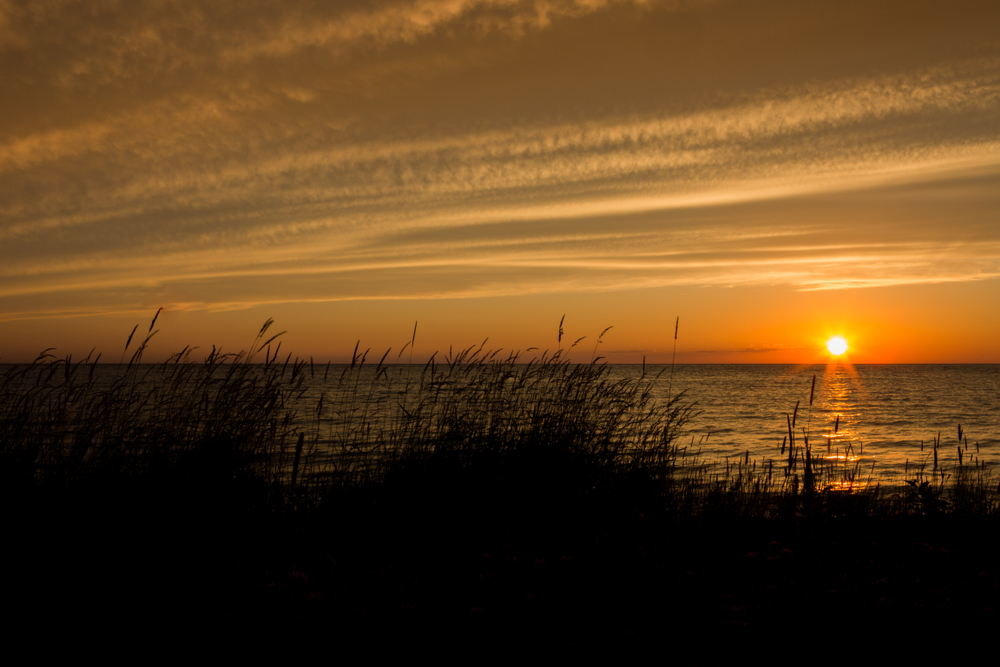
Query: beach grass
x=480, y=490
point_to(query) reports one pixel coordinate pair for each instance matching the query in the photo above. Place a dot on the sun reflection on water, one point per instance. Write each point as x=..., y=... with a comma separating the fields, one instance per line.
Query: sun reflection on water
x=840, y=417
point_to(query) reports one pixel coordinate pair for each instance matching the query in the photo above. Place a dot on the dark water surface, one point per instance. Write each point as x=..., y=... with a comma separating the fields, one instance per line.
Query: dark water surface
x=888, y=415
x=885, y=411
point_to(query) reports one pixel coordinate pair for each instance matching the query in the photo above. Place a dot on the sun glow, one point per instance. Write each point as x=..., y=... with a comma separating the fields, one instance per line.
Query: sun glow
x=837, y=345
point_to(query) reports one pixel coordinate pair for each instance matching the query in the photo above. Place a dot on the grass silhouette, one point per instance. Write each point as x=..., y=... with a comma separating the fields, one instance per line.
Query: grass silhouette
x=506, y=498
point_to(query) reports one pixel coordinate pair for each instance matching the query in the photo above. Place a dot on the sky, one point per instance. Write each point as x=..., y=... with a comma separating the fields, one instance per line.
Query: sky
x=770, y=172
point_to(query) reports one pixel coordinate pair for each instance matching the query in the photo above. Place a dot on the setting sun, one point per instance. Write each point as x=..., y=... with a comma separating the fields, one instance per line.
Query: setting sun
x=837, y=345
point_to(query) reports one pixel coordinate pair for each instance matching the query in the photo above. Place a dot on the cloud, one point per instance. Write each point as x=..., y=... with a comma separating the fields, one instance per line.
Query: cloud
x=611, y=165
x=383, y=150
x=760, y=349
x=108, y=42
x=407, y=22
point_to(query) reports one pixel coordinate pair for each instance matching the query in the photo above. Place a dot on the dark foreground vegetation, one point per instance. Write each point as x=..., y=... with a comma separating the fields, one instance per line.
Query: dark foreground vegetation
x=476, y=502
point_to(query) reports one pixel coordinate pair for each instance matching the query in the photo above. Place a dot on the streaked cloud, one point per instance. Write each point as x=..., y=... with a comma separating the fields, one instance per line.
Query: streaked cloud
x=223, y=155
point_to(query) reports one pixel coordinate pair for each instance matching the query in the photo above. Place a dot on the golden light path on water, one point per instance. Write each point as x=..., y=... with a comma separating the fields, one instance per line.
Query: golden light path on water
x=832, y=427
x=843, y=443
x=865, y=425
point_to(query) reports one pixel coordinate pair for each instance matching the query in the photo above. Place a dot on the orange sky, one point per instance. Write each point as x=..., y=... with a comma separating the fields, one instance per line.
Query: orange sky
x=773, y=172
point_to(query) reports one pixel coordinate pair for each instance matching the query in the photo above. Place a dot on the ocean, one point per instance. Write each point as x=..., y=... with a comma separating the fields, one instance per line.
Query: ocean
x=889, y=415
x=886, y=416
x=883, y=418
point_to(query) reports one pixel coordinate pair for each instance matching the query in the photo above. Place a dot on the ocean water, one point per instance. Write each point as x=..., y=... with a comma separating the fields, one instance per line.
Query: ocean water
x=888, y=415
x=882, y=417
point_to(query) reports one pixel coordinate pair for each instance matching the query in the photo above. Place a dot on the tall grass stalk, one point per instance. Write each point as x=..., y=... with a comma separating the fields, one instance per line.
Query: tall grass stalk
x=509, y=422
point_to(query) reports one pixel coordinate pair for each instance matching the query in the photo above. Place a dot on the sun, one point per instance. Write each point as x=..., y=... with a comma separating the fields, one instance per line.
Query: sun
x=837, y=345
